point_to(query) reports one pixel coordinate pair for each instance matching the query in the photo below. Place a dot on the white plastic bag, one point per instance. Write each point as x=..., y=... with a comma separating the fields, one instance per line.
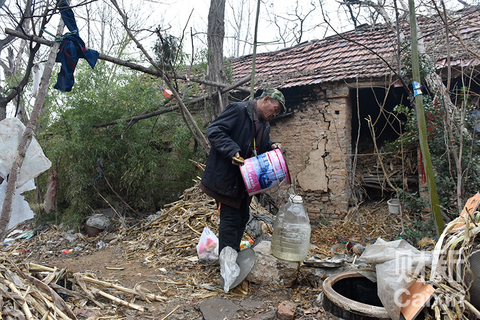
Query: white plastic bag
x=395, y=262
x=229, y=269
x=207, y=247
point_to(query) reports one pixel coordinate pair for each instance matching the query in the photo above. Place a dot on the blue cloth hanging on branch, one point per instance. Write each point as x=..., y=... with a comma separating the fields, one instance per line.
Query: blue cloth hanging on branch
x=72, y=48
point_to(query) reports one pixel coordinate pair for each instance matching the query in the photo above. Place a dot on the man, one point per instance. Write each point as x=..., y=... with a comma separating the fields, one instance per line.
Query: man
x=240, y=131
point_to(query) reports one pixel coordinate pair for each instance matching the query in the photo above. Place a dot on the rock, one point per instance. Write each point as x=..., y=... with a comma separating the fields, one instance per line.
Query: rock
x=96, y=224
x=286, y=310
x=218, y=309
x=314, y=276
x=98, y=221
x=269, y=315
x=269, y=270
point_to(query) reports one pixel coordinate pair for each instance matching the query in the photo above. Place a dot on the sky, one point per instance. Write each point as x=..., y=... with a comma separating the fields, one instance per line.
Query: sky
x=175, y=13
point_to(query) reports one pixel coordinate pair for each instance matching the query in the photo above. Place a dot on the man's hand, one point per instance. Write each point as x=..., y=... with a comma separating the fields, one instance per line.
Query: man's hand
x=277, y=146
x=237, y=160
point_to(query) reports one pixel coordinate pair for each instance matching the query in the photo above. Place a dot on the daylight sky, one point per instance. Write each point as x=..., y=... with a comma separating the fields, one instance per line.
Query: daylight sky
x=175, y=13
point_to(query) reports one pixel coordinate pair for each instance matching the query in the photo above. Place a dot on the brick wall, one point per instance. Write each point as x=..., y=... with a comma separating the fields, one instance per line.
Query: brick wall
x=316, y=140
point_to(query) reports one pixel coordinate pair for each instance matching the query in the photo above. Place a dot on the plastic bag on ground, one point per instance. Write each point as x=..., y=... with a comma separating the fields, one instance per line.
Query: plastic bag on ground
x=395, y=262
x=229, y=269
x=207, y=247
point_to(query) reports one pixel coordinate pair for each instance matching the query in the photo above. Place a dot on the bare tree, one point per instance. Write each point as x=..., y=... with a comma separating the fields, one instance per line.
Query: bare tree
x=216, y=68
x=292, y=26
x=240, y=19
x=22, y=20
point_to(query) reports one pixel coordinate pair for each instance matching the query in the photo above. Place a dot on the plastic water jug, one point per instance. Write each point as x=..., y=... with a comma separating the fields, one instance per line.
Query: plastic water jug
x=291, y=231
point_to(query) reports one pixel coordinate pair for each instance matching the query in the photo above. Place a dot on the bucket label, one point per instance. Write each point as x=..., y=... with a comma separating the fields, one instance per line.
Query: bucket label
x=264, y=171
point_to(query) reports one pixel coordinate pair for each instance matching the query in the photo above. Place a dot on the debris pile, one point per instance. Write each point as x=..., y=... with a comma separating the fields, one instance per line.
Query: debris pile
x=451, y=272
x=338, y=235
x=32, y=291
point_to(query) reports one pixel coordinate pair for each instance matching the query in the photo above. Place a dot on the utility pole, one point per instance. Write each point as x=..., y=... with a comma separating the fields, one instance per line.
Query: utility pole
x=422, y=128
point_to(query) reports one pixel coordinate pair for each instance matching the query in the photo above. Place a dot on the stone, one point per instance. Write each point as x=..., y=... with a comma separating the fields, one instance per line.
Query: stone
x=315, y=276
x=218, y=309
x=286, y=310
x=269, y=315
x=269, y=270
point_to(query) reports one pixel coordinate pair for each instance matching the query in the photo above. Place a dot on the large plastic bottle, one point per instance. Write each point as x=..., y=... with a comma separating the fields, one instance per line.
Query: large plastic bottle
x=291, y=231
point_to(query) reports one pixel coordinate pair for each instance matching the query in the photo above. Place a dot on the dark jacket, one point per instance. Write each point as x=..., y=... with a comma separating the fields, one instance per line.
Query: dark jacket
x=232, y=131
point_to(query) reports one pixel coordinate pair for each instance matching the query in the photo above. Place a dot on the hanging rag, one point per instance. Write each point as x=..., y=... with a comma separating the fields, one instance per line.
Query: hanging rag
x=72, y=48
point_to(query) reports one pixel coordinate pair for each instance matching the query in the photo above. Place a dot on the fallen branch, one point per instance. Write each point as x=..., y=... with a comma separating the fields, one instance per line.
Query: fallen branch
x=120, y=301
x=126, y=290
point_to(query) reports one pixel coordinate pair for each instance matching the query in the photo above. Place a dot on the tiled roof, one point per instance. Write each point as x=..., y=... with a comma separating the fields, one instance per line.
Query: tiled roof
x=356, y=54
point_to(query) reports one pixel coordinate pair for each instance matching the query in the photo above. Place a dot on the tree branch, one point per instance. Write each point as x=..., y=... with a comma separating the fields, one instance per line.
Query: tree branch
x=128, y=64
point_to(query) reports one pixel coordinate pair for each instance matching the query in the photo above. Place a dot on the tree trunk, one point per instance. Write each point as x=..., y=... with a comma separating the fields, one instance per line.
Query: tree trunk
x=216, y=72
x=27, y=138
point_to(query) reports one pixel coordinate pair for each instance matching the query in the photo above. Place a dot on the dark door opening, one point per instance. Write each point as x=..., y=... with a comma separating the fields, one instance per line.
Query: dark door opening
x=376, y=125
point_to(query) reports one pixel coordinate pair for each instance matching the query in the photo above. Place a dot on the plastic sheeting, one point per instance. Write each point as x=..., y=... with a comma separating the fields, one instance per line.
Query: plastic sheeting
x=21, y=210
x=395, y=262
x=229, y=269
x=35, y=162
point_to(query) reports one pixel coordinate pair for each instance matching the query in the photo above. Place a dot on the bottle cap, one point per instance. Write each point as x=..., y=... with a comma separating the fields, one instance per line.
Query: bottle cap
x=297, y=199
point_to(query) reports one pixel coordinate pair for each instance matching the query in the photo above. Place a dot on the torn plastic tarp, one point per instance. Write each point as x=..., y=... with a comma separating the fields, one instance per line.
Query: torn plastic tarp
x=34, y=163
x=395, y=263
x=21, y=210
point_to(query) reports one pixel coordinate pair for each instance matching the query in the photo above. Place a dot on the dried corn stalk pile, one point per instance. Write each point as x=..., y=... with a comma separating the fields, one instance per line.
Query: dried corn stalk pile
x=450, y=273
x=176, y=231
x=376, y=223
x=33, y=291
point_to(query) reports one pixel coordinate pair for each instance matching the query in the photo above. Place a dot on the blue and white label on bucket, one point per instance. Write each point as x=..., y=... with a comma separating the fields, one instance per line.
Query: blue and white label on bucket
x=266, y=173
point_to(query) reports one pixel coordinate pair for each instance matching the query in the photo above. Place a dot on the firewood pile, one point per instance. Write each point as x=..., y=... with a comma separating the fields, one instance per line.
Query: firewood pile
x=373, y=171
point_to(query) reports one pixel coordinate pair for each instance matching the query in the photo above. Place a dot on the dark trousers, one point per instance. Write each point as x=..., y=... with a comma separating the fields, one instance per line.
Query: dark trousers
x=232, y=224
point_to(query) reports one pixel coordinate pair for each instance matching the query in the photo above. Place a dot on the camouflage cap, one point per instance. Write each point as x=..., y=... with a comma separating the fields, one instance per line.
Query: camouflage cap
x=275, y=94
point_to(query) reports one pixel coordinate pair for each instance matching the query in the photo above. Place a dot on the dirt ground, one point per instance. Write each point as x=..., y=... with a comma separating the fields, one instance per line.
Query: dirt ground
x=159, y=257
x=178, y=282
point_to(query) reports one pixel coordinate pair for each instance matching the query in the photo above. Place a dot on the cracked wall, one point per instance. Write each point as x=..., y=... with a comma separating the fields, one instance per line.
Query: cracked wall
x=316, y=141
x=314, y=176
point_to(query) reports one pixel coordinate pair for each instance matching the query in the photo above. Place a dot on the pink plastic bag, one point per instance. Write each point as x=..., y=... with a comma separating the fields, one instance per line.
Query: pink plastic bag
x=207, y=248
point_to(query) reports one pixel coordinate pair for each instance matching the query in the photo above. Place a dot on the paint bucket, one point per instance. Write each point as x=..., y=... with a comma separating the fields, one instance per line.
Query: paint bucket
x=394, y=206
x=264, y=171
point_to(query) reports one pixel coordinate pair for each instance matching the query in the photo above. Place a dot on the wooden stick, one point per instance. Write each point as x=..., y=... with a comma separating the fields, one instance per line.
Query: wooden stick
x=81, y=282
x=25, y=307
x=472, y=308
x=38, y=267
x=120, y=301
x=150, y=296
x=56, y=309
x=170, y=313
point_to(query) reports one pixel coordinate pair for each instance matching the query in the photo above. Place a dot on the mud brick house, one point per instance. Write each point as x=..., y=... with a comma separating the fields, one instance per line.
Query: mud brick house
x=341, y=90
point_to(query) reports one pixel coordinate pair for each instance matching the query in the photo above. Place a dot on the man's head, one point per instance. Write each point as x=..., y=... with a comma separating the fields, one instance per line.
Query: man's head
x=270, y=103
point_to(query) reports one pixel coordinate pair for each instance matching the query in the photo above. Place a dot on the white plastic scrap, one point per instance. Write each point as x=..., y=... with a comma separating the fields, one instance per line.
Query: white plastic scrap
x=229, y=269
